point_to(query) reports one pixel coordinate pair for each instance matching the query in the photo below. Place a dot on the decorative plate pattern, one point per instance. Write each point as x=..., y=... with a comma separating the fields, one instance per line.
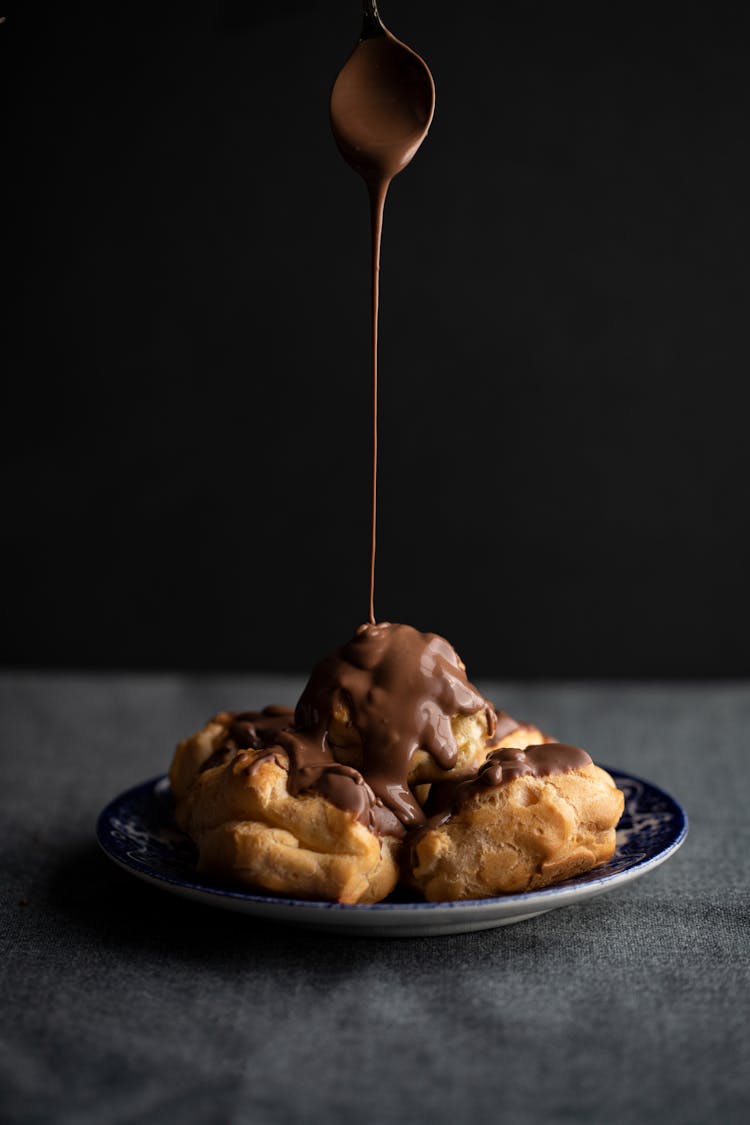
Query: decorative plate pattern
x=137, y=831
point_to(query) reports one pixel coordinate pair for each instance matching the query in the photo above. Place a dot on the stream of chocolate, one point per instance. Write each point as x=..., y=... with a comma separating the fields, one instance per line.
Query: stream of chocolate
x=381, y=108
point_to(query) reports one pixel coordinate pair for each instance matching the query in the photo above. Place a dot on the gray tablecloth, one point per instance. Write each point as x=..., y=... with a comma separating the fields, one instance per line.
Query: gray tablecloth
x=125, y=1004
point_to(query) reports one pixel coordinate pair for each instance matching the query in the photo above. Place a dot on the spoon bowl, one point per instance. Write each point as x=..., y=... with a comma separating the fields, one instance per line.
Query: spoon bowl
x=382, y=102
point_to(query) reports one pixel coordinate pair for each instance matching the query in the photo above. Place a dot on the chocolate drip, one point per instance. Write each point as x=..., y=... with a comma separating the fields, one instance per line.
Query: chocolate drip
x=502, y=766
x=535, y=761
x=253, y=729
x=447, y=798
x=505, y=724
x=313, y=768
x=400, y=689
x=309, y=761
x=397, y=689
x=249, y=730
x=392, y=691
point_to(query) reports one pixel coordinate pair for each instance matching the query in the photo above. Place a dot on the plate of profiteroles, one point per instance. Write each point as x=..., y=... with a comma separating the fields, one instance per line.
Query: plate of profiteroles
x=137, y=831
x=393, y=800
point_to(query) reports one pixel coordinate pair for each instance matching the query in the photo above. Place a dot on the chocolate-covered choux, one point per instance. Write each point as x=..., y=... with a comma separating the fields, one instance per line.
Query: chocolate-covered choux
x=391, y=766
x=530, y=818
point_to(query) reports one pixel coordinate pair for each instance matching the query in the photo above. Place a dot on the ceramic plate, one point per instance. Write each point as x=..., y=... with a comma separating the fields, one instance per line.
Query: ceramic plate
x=137, y=831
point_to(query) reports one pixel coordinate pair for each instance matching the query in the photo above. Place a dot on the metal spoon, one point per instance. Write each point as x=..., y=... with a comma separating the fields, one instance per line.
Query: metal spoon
x=381, y=107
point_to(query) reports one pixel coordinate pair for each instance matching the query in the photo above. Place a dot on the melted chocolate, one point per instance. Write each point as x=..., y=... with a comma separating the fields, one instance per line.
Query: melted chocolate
x=249, y=730
x=253, y=729
x=400, y=689
x=381, y=108
x=448, y=797
x=394, y=691
x=313, y=768
x=502, y=766
x=309, y=761
x=504, y=725
x=381, y=104
x=535, y=761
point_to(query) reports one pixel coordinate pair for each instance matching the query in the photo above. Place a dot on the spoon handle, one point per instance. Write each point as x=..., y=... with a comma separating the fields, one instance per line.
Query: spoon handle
x=371, y=22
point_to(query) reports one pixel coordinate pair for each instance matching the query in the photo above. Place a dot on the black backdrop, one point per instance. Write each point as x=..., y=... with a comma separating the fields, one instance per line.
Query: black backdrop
x=564, y=339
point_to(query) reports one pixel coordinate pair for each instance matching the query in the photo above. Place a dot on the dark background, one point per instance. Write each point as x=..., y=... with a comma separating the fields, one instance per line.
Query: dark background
x=564, y=339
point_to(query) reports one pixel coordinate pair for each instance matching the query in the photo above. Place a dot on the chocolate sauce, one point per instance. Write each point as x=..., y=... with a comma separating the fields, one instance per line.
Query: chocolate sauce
x=249, y=730
x=501, y=767
x=381, y=108
x=504, y=725
x=400, y=689
x=389, y=692
x=535, y=761
x=308, y=759
x=312, y=769
x=253, y=729
x=396, y=690
x=447, y=798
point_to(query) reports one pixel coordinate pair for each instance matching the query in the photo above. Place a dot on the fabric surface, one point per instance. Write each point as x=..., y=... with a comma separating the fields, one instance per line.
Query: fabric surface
x=125, y=1004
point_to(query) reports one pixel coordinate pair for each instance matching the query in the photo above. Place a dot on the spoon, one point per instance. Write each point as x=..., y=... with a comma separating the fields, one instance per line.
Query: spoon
x=382, y=102
x=381, y=108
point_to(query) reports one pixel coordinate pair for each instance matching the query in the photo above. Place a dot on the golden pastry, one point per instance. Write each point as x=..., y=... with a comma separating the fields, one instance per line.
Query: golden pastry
x=530, y=818
x=326, y=801
x=251, y=826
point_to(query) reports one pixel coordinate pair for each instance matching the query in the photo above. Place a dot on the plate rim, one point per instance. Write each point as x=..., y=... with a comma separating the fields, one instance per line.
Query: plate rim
x=545, y=897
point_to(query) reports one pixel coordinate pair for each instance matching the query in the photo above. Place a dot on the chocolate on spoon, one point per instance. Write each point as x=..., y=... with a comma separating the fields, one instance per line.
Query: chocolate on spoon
x=382, y=103
x=381, y=107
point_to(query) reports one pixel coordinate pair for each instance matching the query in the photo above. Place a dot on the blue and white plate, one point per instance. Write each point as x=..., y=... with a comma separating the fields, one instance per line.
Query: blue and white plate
x=137, y=831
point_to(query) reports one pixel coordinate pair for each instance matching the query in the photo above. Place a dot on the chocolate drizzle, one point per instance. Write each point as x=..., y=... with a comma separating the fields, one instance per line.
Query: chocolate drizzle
x=447, y=798
x=312, y=767
x=504, y=725
x=253, y=729
x=400, y=689
x=249, y=730
x=396, y=689
x=390, y=692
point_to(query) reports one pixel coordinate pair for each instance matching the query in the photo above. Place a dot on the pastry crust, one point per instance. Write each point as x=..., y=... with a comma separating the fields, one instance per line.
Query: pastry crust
x=519, y=836
x=523, y=834
x=249, y=828
x=193, y=752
